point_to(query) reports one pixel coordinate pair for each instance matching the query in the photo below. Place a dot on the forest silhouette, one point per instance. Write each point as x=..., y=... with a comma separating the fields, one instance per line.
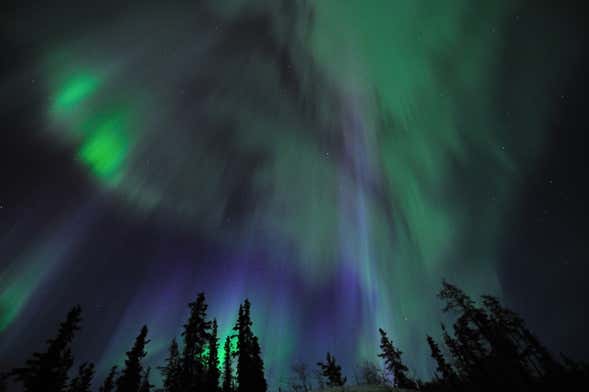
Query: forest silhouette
x=488, y=348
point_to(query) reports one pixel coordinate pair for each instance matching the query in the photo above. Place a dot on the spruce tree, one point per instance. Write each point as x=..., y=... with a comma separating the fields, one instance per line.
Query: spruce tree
x=456, y=299
x=443, y=368
x=525, y=345
x=213, y=360
x=258, y=379
x=456, y=353
x=331, y=372
x=196, y=335
x=474, y=331
x=83, y=381
x=393, y=362
x=48, y=371
x=485, y=345
x=172, y=372
x=250, y=367
x=473, y=320
x=131, y=376
x=109, y=382
x=472, y=345
x=227, y=366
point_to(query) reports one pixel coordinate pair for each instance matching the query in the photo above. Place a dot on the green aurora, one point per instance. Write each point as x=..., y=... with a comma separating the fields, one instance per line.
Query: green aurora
x=403, y=175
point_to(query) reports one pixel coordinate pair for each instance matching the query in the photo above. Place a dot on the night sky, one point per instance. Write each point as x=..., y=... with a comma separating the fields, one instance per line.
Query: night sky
x=330, y=160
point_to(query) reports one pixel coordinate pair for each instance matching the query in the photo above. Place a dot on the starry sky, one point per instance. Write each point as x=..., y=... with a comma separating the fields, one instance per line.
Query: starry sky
x=331, y=160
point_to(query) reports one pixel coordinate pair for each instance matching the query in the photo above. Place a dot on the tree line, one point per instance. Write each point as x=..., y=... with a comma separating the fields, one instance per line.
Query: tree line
x=192, y=366
x=488, y=348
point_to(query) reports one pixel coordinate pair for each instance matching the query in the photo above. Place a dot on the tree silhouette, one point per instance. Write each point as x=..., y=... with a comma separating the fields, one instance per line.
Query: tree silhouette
x=227, y=366
x=492, y=350
x=474, y=350
x=172, y=372
x=455, y=352
x=83, y=381
x=533, y=355
x=332, y=372
x=443, y=368
x=393, y=362
x=250, y=367
x=213, y=360
x=48, y=371
x=489, y=349
x=485, y=343
x=109, y=382
x=131, y=376
x=196, y=335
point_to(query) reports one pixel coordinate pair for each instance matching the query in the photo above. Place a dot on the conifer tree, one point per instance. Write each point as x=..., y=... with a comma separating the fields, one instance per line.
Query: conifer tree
x=213, y=360
x=196, y=335
x=456, y=299
x=476, y=334
x=443, y=368
x=109, y=382
x=471, y=342
x=456, y=353
x=468, y=359
x=257, y=378
x=332, y=372
x=482, y=325
x=83, y=381
x=48, y=371
x=131, y=376
x=172, y=372
x=393, y=362
x=227, y=366
x=485, y=346
x=250, y=367
x=524, y=344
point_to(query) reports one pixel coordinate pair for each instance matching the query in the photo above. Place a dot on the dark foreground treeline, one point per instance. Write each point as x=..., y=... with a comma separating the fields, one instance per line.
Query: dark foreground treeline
x=489, y=349
x=191, y=366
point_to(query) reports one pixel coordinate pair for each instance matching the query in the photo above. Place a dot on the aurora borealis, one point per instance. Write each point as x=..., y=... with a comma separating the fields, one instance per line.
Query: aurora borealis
x=331, y=160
